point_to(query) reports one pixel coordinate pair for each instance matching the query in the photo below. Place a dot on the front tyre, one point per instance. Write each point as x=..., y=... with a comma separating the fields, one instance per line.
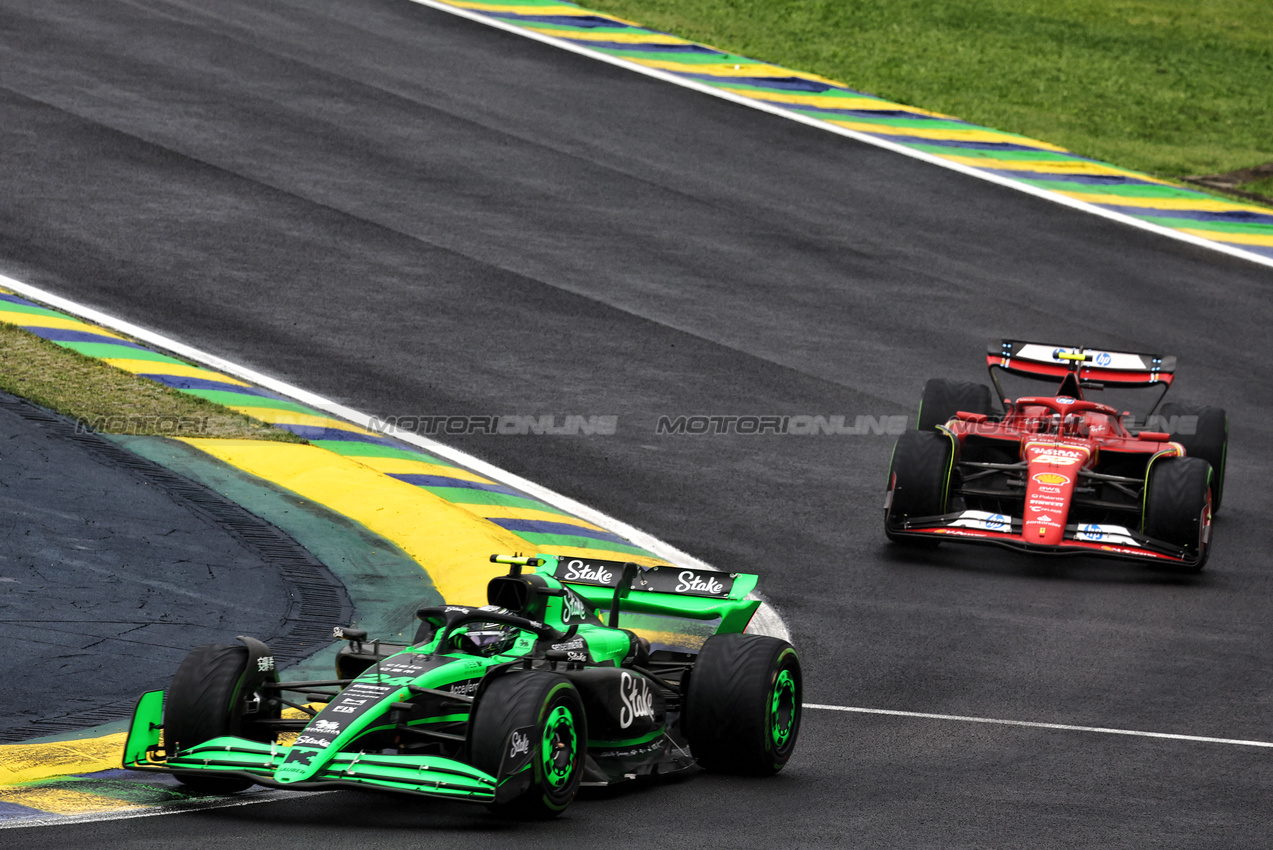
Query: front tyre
x=919, y=479
x=212, y=695
x=530, y=723
x=1204, y=432
x=742, y=709
x=1178, y=506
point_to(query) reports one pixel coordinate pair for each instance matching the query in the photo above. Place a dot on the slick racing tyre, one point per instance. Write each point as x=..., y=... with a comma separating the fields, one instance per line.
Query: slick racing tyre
x=942, y=399
x=918, y=480
x=742, y=708
x=533, y=722
x=212, y=695
x=1178, y=505
x=1206, y=437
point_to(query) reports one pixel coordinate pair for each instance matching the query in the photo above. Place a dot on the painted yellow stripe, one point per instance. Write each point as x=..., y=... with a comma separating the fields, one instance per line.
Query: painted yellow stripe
x=970, y=135
x=823, y=101
x=402, y=466
x=621, y=38
x=1234, y=238
x=1052, y=166
x=64, y=801
x=31, y=762
x=507, y=512
x=726, y=69
x=37, y=320
x=290, y=417
x=1200, y=204
x=554, y=9
x=177, y=370
x=450, y=543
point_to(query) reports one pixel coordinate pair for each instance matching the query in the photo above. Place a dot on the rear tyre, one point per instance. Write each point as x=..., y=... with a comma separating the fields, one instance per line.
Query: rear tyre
x=942, y=399
x=545, y=710
x=208, y=698
x=1209, y=440
x=1178, y=506
x=919, y=481
x=742, y=709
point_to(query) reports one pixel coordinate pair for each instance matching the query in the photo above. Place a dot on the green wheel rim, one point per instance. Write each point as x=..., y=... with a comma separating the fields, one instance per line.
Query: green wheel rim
x=782, y=709
x=560, y=743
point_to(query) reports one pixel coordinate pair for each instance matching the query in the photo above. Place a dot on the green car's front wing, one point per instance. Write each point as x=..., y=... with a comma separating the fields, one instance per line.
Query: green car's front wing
x=233, y=756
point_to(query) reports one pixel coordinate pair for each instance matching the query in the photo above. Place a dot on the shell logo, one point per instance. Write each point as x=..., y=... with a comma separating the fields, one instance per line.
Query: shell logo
x=1051, y=478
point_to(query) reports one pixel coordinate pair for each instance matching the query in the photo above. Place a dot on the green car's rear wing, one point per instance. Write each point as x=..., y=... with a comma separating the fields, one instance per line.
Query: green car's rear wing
x=665, y=590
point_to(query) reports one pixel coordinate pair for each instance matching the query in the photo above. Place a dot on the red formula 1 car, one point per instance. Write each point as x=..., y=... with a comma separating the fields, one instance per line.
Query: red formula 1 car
x=1058, y=473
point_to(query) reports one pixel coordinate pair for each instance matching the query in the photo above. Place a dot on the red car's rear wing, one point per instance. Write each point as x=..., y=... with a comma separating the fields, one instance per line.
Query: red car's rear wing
x=1098, y=366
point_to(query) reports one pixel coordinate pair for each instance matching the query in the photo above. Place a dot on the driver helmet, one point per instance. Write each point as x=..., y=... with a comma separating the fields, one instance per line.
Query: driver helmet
x=485, y=639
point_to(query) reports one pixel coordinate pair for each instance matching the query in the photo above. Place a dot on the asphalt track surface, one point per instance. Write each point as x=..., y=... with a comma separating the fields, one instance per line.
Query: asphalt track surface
x=414, y=214
x=107, y=578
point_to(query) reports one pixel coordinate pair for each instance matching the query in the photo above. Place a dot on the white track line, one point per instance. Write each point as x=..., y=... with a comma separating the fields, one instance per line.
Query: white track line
x=767, y=621
x=865, y=138
x=1065, y=727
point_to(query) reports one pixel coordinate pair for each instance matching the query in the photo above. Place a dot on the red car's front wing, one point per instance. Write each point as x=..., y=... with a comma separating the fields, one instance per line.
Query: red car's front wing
x=962, y=527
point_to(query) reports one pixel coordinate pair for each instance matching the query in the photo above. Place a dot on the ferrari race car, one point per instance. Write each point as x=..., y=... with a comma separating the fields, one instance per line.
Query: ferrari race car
x=1057, y=473
x=514, y=704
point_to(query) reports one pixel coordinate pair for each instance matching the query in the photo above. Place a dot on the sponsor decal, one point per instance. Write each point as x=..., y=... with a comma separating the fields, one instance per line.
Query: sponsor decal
x=1045, y=519
x=573, y=643
x=461, y=609
x=466, y=688
x=1064, y=399
x=579, y=570
x=357, y=698
x=519, y=744
x=1122, y=550
x=637, y=699
x=997, y=522
x=324, y=727
x=265, y=664
x=690, y=582
x=398, y=669
x=1055, y=460
x=576, y=656
x=1089, y=531
x=1046, y=488
x=629, y=752
x=311, y=741
x=1103, y=359
x=572, y=607
x=1050, y=449
x=1050, y=478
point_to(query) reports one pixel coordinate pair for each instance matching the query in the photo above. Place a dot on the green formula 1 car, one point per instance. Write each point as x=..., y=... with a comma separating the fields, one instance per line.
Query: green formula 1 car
x=514, y=704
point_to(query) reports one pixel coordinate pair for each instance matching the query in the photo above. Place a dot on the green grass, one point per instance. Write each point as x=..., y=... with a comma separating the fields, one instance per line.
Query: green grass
x=1260, y=187
x=1170, y=87
x=111, y=400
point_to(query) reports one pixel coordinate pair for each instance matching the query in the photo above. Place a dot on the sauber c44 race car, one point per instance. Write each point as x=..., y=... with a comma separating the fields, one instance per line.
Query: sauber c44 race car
x=1058, y=473
x=514, y=704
